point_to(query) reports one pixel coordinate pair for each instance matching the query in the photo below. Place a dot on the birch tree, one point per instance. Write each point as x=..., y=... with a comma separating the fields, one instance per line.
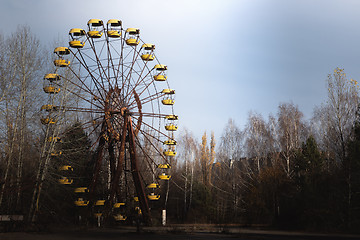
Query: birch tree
x=188, y=152
x=337, y=116
x=257, y=139
x=292, y=132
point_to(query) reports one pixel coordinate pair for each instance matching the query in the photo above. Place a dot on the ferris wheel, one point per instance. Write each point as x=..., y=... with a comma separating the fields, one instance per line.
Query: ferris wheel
x=121, y=95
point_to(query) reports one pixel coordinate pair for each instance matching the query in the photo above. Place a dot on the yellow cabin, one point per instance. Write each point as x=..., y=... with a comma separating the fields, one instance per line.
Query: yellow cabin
x=147, y=50
x=160, y=72
x=160, y=67
x=168, y=102
x=100, y=203
x=94, y=34
x=132, y=36
x=61, y=63
x=114, y=28
x=62, y=51
x=120, y=217
x=118, y=205
x=51, y=89
x=52, y=77
x=55, y=153
x=170, y=142
x=168, y=91
x=76, y=44
x=65, y=181
x=81, y=190
x=49, y=107
x=114, y=33
x=171, y=127
x=148, y=47
x=153, y=185
x=76, y=37
x=95, y=23
x=95, y=28
x=170, y=153
x=153, y=196
x=164, y=176
x=66, y=168
x=147, y=57
x=164, y=166
x=172, y=117
x=81, y=203
x=136, y=199
x=54, y=139
x=160, y=77
x=48, y=121
x=132, y=42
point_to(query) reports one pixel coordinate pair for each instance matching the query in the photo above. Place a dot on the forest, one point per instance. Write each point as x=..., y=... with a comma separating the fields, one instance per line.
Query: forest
x=282, y=171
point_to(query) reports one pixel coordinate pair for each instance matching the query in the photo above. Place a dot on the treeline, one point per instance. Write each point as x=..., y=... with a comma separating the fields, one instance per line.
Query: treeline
x=285, y=171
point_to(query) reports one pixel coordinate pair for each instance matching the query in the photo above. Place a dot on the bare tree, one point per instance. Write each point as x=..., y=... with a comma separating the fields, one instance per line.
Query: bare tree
x=337, y=116
x=231, y=143
x=291, y=131
x=228, y=173
x=21, y=71
x=188, y=152
x=257, y=139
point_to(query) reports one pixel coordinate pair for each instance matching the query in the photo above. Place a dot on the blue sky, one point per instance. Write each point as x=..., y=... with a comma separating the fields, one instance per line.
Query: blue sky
x=225, y=57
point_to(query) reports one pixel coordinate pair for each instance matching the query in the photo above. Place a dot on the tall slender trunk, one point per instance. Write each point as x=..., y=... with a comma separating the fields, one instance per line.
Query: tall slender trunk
x=22, y=141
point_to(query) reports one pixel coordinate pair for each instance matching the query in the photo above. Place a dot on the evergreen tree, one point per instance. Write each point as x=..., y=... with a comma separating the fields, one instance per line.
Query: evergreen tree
x=351, y=168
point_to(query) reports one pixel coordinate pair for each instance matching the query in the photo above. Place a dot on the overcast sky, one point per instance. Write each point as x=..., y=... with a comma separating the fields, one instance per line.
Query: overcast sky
x=225, y=57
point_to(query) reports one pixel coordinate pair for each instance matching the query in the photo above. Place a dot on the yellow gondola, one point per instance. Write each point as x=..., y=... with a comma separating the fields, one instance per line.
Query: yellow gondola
x=164, y=176
x=114, y=28
x=170, y=153
x=61, y=63
x=54, y=139
x=55, y=153
x=95, y=28
x=168, y=91
x=52, y=77
x=49, y=107
x=153, y=185
x=132, y=36
x=161, y=75
x=164, y=166
x=48, y=121
x=147, y=57
x=171, y=127
x=81, y=202
x=120, y=217
x=100, y=203
x=153, y=196
x=76, y=35
x=76, y=44
x=62, y=51
x=168, y=102
x=118, y=205
x=172, y=117
x=147, y=52
x=170, y=142
x=65, y=181
x=66, y=168
x=160, y=67
x=51, y=89
x=81, y=190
